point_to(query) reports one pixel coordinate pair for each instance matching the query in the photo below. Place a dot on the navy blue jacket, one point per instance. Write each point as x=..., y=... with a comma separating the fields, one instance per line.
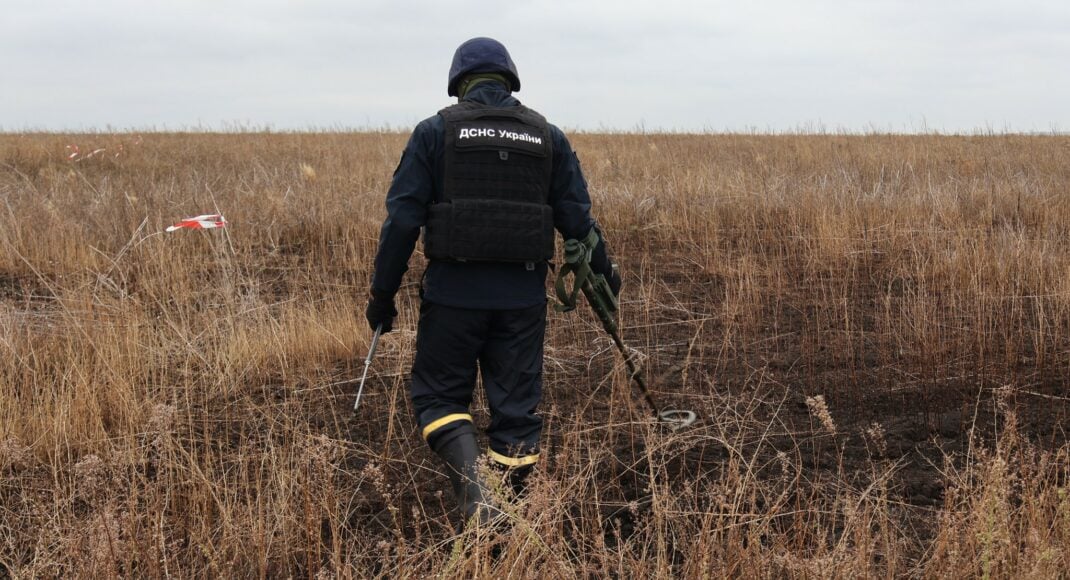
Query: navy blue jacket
x=484, y=285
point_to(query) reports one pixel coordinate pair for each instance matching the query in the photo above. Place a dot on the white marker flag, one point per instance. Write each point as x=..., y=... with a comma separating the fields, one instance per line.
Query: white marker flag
x=201, y=222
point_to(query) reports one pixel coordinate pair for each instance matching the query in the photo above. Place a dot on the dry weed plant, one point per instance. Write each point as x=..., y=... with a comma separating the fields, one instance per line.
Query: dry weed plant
x=873, y=330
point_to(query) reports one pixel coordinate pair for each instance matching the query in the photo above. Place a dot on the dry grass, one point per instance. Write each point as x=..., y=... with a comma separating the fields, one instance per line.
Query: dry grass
x=873, y=329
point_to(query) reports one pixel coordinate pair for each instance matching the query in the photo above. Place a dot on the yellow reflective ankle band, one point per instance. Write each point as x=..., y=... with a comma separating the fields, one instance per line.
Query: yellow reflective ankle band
x=443, y=421
x=512, y=461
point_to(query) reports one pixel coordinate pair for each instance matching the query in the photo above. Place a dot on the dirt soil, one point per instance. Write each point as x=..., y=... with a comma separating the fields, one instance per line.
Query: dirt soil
x=888, y=414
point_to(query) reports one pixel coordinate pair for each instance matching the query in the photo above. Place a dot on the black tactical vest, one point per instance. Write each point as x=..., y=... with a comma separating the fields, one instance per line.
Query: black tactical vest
x=496, y=187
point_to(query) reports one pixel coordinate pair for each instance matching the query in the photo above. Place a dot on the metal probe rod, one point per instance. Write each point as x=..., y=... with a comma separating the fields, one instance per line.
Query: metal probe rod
x=367, y=364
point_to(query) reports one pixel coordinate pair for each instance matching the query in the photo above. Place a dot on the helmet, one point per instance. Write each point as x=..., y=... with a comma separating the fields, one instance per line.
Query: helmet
x=482, y=55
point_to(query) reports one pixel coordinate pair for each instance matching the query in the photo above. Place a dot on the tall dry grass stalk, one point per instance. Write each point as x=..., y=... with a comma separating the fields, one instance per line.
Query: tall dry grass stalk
x=872, y=328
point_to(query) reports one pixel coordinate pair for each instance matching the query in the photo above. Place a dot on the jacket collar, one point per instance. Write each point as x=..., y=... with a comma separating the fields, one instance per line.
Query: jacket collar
x=491, y=93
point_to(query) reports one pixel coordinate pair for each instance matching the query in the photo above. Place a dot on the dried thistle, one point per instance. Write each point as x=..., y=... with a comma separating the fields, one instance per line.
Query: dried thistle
x=104, y=541
x=90, y=475
x=875, y=435
x=162, y=418
x=13, y=453
x=371, y=472
x=159, y=425
x=785, y=465
x=820, y=409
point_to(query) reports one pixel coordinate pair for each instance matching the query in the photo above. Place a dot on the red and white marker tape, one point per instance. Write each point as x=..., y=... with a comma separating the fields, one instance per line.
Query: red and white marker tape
x=201, y=222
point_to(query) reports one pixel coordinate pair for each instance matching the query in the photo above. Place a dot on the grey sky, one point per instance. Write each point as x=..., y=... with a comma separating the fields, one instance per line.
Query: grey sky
x=952, y=65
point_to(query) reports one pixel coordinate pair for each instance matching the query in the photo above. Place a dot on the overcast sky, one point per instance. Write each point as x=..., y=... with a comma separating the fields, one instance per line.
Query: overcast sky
x=779, y=65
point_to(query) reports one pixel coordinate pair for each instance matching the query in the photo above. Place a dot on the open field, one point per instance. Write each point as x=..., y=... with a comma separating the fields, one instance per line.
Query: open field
x=874, y=330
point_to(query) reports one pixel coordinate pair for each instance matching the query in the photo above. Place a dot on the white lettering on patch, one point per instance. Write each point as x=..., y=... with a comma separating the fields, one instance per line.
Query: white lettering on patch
x=476, y=132
x=488, y=132
x=513, y=135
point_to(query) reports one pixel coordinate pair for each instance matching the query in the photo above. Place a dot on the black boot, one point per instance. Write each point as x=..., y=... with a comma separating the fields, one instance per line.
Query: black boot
x=460, y=450
x=518, y=477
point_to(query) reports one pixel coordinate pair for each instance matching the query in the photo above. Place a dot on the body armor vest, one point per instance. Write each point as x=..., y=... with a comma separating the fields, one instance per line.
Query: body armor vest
x=496, y=187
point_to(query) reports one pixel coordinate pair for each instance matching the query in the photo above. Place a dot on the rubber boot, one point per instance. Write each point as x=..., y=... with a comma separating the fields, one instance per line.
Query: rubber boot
x=460, y=450
x=518, y=477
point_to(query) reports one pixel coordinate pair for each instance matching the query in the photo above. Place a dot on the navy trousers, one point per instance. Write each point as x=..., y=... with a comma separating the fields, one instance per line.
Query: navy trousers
x=506, y=348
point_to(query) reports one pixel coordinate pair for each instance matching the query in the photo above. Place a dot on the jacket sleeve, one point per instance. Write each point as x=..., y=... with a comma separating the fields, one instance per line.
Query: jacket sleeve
x=568, y=191
x=572, y=203
x=411, y=191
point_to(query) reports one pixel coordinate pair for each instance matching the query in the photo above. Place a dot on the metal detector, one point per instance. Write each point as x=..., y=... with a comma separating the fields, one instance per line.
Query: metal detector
x=596, y=289
x=672, y=418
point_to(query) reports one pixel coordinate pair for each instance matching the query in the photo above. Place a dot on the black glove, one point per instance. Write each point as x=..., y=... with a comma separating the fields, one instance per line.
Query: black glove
x=381, y=310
